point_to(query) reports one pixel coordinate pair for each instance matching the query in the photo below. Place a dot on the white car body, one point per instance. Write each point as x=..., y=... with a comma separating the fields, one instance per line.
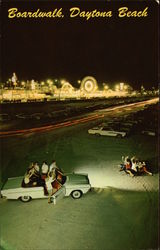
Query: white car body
x=149, y=132
x=106, y=132
x=73, y=182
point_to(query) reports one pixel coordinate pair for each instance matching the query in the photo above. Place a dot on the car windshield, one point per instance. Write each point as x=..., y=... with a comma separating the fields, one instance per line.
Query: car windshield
x=124, y=129
x=107, y=128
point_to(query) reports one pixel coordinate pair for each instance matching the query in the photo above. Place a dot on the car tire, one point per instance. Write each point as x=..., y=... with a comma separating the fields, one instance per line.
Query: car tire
x=76, y=194
x=119, y=136
x=97, y=134
x=25, y=198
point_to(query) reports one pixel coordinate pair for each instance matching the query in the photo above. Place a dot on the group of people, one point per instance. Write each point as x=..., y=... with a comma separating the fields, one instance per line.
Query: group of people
x=49, y=176
x=133, y=166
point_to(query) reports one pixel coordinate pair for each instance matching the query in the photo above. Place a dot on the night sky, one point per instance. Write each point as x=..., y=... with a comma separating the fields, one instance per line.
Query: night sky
x=112, y=49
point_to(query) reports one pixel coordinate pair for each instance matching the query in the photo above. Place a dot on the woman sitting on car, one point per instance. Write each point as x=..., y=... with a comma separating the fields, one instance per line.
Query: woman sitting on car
x=53, y=183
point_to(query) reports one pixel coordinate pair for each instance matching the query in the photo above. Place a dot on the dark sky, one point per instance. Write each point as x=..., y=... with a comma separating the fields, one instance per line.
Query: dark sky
x=112, y=49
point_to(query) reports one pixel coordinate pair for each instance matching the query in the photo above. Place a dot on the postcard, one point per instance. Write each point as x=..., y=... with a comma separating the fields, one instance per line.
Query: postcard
x=79, y=104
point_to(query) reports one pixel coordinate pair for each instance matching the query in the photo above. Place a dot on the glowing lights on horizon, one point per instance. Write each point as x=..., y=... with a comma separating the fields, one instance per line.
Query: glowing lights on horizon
x=63, y=89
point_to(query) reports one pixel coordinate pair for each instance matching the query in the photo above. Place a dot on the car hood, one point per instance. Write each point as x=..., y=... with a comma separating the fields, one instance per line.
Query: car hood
x=77, y=179
x=12, y=183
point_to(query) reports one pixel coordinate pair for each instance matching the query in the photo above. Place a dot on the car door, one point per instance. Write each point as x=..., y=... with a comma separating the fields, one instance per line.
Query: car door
x=56, y=197
x=108, y=132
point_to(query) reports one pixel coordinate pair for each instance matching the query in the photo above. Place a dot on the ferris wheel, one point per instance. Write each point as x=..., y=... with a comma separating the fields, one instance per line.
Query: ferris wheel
x=89, y=84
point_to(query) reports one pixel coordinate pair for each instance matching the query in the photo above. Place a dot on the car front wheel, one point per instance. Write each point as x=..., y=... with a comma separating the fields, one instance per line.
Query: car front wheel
x=97, y=134
x=25, y=198
x=76, y=194
x=119, y=136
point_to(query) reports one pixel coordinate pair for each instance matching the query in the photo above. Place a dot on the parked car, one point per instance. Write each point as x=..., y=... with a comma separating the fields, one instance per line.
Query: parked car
x=149, y=132
x=4, y=117
x=119, y=125
x=71, y=184
x=107, y=131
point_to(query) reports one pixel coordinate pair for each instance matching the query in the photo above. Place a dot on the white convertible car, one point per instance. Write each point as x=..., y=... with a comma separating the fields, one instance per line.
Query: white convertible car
x=70, y=184
x=107, y=131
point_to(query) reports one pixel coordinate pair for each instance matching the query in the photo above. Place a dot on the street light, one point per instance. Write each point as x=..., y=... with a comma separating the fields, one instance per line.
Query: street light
x=106, y=87
x=125, y=87
x=117, y=87
x=63, y=81
x=121, y=86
